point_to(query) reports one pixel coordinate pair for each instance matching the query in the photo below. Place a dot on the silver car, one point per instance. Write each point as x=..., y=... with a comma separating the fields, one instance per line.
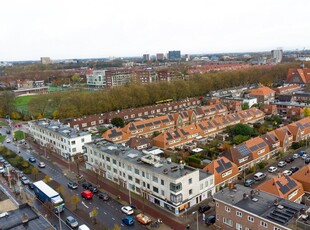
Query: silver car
x=72, y=222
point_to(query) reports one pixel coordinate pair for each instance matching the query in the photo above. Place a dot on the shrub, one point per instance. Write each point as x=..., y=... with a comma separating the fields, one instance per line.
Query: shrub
x=261, y=165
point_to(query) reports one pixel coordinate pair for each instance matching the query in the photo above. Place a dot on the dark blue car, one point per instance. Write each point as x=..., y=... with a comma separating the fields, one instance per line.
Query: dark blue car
x=128, y=220
x=32, y=159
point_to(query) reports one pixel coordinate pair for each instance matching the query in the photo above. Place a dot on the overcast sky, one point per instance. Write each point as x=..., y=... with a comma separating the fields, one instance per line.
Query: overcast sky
x=67, y=29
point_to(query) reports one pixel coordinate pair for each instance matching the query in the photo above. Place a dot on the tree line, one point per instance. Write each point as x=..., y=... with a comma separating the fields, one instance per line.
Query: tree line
x=76, y=103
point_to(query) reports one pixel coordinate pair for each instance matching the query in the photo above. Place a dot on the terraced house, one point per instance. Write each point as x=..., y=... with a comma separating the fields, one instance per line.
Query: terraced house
x=186, y=134
x=171, y=186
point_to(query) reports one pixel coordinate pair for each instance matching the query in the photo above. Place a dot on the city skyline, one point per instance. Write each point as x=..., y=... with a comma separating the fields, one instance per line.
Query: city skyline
x=97, y=29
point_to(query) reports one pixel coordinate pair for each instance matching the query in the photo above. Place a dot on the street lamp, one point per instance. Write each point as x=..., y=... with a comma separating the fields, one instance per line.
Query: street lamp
x=197, y=218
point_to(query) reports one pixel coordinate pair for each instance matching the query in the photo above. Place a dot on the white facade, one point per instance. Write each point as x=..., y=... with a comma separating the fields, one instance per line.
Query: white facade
x=60, y=138
x=171, y=186
x=277, y=55
x=97, y=79
x=250, y=101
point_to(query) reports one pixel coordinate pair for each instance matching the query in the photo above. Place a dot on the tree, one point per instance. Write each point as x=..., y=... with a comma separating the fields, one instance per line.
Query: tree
x=241, y=129
x=118, y=122
x=7, y=105
x=76, y=78
x=35, y=171
x=240, y=139
x=245, y=106
x=75, y=199
x=307, y=112
x=116, y=227
x=47, y=179
x=59, y=189
x=94, y=214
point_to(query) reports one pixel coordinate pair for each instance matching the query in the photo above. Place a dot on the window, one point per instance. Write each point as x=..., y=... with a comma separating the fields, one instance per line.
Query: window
x=162, y=192
x=238, y=213
x=251, y=218
x=155, y=179
x=217, y=204
x=137, y=171
x=190, y=180
x=115, y=170
x=227, y=221
x=190, y=192
x=108, y=159
x=155, y=189
x=72, y=142
x=130, y=178
x=176, y=198
x=263, y=224
x=227, y=209
x=276, y=228
x=114, y=161
x=175, y=187
x=129, y=168
x=83, y=140
x=162, y=182
x=73, y=150
x=238, y=226
x=137, y=181
x=143, y=174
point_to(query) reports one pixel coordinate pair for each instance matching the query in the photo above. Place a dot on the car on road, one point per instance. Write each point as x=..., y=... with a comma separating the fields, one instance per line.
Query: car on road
x=103, y=196
x=127, y=210
x=8, y=140
x=249, y=182
x=304, y=156
x=25, y=180
x=287, y=172
x=41, y=165
x=282, y=163
x=210, y=220
x=31, y=186
x=294, y=169
x=86, y=185
x=72, y=185
x=72, y=222
x=128, y=220
x=32, y=159
x=204, y=208
x=296, y=155
x=143, y=219
x=87, y=194
x=289, y=160
x=272, y=169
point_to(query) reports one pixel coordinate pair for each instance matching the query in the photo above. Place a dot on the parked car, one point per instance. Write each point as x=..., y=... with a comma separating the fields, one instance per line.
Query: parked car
x=307, y=160
x=86, y=185
x=127, y=210
x=259, y=176
x=294, y=169
x=143, y=219
x=1, y=169
x=41, y=165
x=304, y=156
x=94, y=189
x=32, y=159
x=128, y=220
x=289, y=160
x=249, y=182
x=2, y=160
x=25, y=180
x=296, y=155
x=281, y=163
x=72, y=185
x=301, y=153
x=30, y=186
x=272, y=169
x=287, y=172
x=72, y=222
x=210, y=220
x=87, y=194
x=204, y=208
x=103, y=196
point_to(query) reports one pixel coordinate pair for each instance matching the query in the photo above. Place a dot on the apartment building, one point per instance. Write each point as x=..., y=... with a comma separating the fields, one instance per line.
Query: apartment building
x=283, y=186
x=263, y=94
x=242, y=208
x=58, y=137
x=171, y=186
x=286, y=89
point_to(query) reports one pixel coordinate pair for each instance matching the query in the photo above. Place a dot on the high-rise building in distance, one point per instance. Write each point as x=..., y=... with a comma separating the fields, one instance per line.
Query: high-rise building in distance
x=146, y=57
x=160, y=57
x=174, y=55
x=277, y=55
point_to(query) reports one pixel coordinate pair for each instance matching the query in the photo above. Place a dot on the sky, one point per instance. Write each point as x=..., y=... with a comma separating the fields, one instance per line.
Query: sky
x=69, y=29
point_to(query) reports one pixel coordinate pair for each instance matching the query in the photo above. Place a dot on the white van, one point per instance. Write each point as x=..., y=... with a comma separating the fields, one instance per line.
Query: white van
x=83, y=227
x=259, y=176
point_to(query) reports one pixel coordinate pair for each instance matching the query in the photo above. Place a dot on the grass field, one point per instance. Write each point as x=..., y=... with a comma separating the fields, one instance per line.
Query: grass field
x=2, y=138
x=3, y=123
x=21, y=103
x=19, y=135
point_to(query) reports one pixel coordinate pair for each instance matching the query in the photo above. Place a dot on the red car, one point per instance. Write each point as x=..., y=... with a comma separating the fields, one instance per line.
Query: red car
x=87, y=194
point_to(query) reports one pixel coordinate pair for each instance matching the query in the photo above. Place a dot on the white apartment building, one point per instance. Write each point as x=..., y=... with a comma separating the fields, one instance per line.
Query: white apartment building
x=172, y=186
x=58, y=137
x=97, y=79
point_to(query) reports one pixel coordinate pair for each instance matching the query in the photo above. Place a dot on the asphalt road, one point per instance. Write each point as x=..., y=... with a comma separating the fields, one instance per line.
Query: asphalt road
x=109, y=212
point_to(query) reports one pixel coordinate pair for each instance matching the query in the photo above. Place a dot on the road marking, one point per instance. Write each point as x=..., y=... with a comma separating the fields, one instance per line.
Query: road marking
x=122, y=225
x=113, y=218
x=105, y=213
x=84, y=204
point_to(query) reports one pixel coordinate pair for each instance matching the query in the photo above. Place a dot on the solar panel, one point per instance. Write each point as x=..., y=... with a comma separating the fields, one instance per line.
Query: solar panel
x=220, y=168
x=114, y=133
x=224, y=120
x=243, y=150
x=213, y=109
x=262, y=144
x=140, y=126
x=176, y=133
x=291, y=184
x=170, y=117
x=202, y=126
x=210, y=124
x=276, y=219
x=183, y=132
x=253, y=148
x=242, y=115
x=165, y=120
x=149, y=124
x=157, y=122
x=169, y=136
x=283, y=188
x=300, y=125
x=216, y=123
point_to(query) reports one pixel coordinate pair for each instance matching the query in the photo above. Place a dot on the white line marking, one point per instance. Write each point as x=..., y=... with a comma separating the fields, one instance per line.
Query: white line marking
x=113, y=218
x=84, y=204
